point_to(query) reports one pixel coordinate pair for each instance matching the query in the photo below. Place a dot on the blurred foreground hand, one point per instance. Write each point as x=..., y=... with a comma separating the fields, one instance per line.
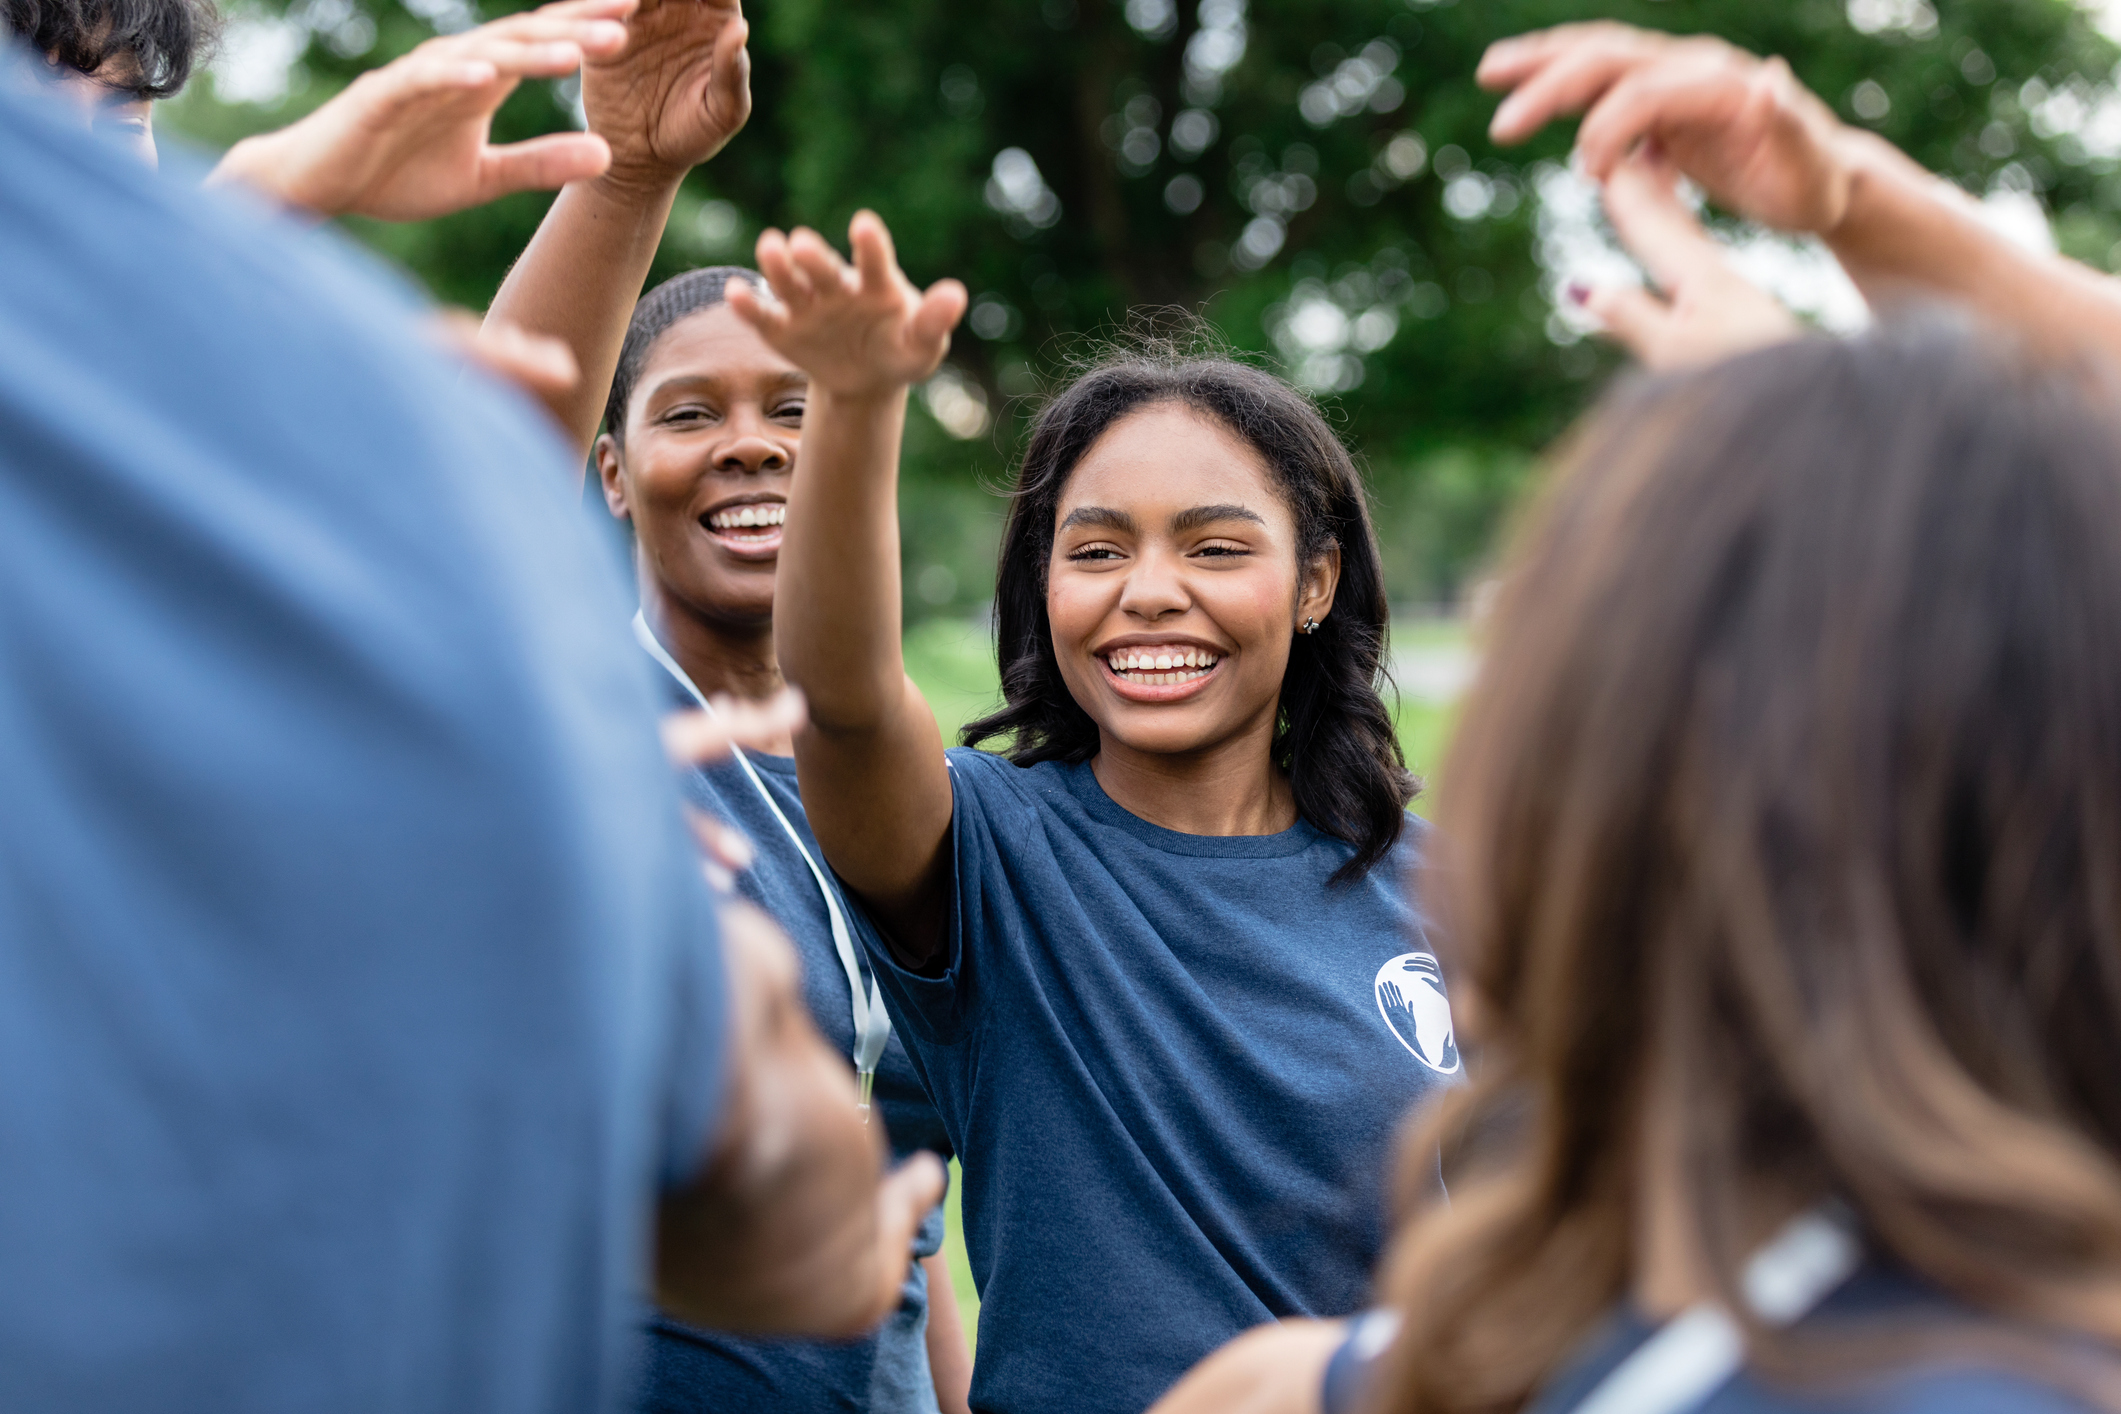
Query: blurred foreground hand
x=1702, y=310
x=540, y=366
x=795, y=1227
x=1756, y=140
x=409, y=141
x=704, y=738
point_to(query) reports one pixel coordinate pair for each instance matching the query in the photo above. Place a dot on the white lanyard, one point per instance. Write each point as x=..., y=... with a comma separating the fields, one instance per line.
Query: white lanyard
x=1702, y=1348
x=872, y=1025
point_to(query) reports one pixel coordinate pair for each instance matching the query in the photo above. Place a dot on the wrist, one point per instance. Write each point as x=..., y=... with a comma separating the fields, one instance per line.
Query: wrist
x=265, y=163
x=637, y=185
x=1868, y=170
x=858, y=399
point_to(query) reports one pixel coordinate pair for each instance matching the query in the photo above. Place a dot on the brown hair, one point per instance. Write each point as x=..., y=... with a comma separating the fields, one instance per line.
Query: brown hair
x=1790, y=795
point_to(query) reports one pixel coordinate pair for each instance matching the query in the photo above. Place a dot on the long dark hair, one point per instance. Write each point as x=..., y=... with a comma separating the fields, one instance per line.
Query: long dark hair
x=1334, y=738
x=1784, y=823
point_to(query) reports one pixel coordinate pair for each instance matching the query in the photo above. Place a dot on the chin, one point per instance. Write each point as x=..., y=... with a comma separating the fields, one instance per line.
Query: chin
x=1162, y=731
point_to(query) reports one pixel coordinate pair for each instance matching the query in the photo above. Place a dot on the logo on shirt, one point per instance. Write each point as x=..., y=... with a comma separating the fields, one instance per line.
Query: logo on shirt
x=1410, y=996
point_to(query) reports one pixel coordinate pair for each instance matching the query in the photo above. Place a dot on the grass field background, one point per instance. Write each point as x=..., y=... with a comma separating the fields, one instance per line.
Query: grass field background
x=953, y=661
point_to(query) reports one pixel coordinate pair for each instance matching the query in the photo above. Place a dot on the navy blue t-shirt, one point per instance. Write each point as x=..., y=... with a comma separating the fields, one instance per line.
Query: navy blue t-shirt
x=1173, y=1067
x=691, y=1371
x=358, y=990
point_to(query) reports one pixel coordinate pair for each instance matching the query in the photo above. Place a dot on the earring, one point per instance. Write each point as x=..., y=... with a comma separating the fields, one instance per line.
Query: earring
x=1310, y=626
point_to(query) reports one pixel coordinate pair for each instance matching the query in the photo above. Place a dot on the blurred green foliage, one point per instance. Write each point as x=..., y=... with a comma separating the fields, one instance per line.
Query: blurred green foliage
x=1236, y=159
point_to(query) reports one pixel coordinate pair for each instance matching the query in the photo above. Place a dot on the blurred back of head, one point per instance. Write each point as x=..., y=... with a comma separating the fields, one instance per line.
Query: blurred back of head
x=1784, y=829
x=143, y=48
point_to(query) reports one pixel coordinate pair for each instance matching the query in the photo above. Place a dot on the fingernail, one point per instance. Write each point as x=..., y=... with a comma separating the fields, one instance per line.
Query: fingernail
x=718, y=878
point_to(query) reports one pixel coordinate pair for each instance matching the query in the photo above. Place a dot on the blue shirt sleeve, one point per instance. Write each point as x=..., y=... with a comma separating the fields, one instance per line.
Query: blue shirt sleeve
x=937, y=1002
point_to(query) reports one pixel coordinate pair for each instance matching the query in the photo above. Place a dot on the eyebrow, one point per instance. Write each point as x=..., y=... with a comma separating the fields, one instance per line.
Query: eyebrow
x=1193, y=518
x=781, y=382
x=1104, y=517
x=1199, y=516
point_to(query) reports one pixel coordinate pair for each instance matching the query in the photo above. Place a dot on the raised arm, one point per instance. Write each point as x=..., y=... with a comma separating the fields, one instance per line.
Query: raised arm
x=670, y=100
x=871, y=764
x=1763, y=146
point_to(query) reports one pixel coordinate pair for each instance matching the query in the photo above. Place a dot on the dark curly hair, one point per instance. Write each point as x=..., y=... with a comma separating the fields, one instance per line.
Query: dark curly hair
x=164, y=39
x=676, y=298
x=1334, y=738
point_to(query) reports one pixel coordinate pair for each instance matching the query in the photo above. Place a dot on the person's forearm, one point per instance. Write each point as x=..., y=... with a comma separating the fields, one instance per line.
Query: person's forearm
x=578, y=279
x=949, y=1359
x=1909, y=236
x=836, y=611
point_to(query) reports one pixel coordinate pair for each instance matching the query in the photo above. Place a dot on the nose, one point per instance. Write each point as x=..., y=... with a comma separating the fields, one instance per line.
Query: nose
x=1154, y=587
x=749, y=453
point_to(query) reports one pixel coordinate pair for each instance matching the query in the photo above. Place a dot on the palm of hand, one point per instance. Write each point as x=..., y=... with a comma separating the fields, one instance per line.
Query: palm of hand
x=858, y=337
x=418, y=171
x=661, y=104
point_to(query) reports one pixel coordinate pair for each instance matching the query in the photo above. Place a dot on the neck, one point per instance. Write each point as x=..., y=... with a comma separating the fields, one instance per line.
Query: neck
x=722, y=658
x=1230, y=788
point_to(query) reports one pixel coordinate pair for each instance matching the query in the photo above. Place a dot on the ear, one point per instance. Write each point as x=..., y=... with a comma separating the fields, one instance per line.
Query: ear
x=611, y=467
x=1314, y=593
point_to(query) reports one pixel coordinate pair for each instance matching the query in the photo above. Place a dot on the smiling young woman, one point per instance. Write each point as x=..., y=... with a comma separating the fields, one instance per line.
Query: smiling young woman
x=1141, y=960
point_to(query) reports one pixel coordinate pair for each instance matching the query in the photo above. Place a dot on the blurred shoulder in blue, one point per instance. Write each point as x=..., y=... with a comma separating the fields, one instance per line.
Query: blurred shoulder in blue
x=358, y=991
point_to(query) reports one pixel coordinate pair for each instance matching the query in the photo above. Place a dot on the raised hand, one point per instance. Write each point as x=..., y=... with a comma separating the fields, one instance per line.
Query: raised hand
x=409, y=141
x=859, y=331
x=676, y=94
x=1702, y=309
x=1754, y=138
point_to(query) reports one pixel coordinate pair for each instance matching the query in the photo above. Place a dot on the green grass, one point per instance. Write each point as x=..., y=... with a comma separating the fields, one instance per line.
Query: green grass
x=953, y=662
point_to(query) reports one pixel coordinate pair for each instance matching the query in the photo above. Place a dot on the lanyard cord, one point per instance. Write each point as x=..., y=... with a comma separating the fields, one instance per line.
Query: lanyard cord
x=872, y=1024
x=1701, y=1349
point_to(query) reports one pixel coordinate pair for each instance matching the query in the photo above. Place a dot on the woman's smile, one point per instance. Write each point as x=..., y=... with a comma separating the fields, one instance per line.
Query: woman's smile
x=1159, y=672
x=749, y=529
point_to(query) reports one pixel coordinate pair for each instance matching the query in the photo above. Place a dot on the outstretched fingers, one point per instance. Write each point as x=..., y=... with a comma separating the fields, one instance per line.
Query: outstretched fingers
x=1634, y=318
x=1509, y=62
x=875, y=256
x=541, y=164
x=1566, y=85
x=937, y=314
x=1642, y=201
x=812, y=257
x=768, y=316
x=1661, y=98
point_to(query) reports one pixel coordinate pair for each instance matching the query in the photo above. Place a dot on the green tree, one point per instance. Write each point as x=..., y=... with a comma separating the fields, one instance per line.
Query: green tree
x=1311, y=175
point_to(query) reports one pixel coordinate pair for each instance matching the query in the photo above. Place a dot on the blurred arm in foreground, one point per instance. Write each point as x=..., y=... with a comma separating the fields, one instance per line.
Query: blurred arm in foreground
x=670, y=100
x=789, y=1230
x=1762, y=145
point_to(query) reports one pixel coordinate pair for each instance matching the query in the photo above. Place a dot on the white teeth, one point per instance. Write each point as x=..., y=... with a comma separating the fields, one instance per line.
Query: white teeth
x=746, y=517
x=1163, y=668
